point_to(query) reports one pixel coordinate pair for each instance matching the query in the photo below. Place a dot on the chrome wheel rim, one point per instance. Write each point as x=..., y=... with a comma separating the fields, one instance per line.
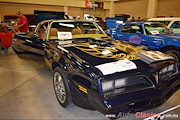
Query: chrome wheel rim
x=59, y=87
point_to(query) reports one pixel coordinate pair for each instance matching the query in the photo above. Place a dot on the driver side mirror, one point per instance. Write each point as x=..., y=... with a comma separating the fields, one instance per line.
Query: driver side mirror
x=138, y=33
x=35, y=36
x=170, y=30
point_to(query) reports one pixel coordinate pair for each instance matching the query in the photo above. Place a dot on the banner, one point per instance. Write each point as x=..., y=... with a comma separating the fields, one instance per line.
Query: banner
x=93, y=4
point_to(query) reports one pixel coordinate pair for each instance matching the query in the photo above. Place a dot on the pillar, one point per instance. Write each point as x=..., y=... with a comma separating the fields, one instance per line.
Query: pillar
x=66, y=10
x=111, y=11
x=152, y=8
x=0, y=18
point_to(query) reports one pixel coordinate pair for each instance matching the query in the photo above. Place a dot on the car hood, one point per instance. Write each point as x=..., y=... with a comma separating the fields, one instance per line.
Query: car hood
x=106, y=55
x=100, y=51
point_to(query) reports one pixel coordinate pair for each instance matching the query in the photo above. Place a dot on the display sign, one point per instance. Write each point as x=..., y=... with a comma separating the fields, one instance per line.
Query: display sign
x=154, y=32
x=93, y=4
x=118, y=66
x=64, y=35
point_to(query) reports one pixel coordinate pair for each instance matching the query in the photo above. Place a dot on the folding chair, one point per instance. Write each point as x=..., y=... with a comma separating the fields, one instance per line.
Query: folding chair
x=5, y=41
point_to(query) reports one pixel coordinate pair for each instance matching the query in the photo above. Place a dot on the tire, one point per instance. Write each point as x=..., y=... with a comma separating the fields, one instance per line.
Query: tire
x=175, y=53
x=61, y=88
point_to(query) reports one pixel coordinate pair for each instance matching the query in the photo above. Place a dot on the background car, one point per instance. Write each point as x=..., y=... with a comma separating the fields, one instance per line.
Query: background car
x=171, y=22
x=151, y=34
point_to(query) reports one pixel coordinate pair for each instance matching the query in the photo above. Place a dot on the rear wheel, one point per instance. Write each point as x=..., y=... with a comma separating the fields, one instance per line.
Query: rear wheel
x=61, y=88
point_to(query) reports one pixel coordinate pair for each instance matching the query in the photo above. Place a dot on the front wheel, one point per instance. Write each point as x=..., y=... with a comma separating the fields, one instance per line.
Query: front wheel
x=61, y=88
x=174, y=53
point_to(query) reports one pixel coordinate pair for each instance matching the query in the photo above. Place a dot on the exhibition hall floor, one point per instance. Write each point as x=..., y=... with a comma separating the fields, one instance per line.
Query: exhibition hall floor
x=26, y=92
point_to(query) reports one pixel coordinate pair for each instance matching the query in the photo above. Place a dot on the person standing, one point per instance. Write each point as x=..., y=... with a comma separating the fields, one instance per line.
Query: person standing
x=139, y=18
x=22, y=23
x=3, y=27
x=132, y=20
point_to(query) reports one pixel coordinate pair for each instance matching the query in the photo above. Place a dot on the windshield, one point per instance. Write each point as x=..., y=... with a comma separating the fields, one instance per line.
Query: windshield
x=155, y=28
x=69, y=30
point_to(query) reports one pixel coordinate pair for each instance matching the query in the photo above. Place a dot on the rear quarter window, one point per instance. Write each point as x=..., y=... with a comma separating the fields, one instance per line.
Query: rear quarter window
x=176, y=24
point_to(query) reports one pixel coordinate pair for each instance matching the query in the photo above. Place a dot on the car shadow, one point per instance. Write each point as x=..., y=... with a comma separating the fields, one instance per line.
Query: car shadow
x=33, y=58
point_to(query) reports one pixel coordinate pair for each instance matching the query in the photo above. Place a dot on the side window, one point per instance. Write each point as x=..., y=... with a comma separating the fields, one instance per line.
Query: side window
x=124, y=29
x=131, y=28
x=166, y=22
x=136, y=28
x=176, y=24
x=41, y=31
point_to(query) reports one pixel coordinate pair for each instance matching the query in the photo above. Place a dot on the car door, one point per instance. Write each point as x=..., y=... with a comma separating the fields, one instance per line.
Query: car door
x=153, y=38
x=21, y=42
x=36, y=42
x=123, y=33
x=130, y=32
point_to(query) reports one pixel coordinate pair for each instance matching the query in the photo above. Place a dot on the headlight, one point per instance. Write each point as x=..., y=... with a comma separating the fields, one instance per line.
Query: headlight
x=106, y=86
x=164, y=70
x=168, y=68
x=120, y=83
x=171, y=67
x=167, y=72
x=127, y=84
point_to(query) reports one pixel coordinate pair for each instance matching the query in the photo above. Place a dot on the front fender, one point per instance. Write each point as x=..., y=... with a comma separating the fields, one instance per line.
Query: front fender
x=171, y=42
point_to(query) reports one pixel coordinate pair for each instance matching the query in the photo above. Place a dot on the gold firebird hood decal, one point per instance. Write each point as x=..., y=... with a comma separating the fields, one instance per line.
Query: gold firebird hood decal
x=117, y=50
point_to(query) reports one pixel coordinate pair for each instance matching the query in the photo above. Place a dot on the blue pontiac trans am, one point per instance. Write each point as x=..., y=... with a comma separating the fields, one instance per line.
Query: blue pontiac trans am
x=151, y=34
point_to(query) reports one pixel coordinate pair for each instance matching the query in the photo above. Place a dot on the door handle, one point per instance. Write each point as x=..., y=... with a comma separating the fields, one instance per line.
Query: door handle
x=14, y=40
x=155, y=41
x=120, y=35
x=28, y=41
x=43, y=44
x=158, y=39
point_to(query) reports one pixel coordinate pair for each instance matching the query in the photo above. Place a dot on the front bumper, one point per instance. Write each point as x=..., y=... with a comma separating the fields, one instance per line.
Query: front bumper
x=141, y=100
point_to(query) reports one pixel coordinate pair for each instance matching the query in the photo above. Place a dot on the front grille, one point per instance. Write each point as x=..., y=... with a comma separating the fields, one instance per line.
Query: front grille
x=124, y=85
x=167, y=72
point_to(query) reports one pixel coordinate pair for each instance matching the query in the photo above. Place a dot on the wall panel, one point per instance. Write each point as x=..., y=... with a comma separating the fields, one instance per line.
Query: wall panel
x=12, y=8
x=136, y=8
x=98, y=12
x=168, y=8
x=74, y=3
x=74, y=11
